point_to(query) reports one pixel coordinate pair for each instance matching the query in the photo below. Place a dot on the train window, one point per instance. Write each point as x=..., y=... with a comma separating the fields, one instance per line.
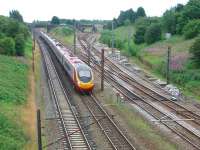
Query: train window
x=67, y=65
x=84, y=73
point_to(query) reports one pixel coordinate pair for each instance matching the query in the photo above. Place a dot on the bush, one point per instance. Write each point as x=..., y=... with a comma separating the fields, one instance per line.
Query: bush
x=118, y=43
x=131, y=49
x=16, y=34
x=7, y=46
x=191, y=29
x=106, y=37
x=195, y=51
x=19, y=44
x=139, y=35
x=153, y=33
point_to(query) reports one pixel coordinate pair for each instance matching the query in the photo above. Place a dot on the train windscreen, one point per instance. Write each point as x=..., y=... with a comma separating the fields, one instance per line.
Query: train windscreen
x=84, y=73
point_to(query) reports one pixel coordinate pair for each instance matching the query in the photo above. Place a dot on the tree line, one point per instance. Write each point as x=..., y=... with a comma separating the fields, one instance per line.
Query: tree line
x=126, y=17
x=13, y=34
x=181, y=20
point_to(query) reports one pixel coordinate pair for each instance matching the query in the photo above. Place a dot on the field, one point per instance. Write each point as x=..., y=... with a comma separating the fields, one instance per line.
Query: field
x=14, y=91
x=64, y=34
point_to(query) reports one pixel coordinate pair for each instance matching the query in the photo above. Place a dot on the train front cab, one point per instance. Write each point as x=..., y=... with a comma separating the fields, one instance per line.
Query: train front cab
x=84, y=78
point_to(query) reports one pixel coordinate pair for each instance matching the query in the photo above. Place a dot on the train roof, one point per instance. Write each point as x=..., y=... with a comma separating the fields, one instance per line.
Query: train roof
x=75, y=61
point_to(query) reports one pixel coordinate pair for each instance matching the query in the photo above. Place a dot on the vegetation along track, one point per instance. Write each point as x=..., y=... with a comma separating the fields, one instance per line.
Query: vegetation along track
x=140, y=95
x=72, y=134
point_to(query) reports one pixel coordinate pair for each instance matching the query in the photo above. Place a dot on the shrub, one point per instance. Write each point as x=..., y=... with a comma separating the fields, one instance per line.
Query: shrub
x=139, y=35
x=19, y=44
x=106, y=37
x=191, y=29
x=153, y=33
x=7, y=46
x=195, y=51
x=118, y=43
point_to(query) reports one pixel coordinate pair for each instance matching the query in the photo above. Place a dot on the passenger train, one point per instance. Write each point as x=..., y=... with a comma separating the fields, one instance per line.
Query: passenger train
x=80, y=73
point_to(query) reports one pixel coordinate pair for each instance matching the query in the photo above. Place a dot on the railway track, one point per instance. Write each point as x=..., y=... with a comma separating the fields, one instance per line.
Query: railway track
x=114, y=135
x=71, y=132
x=145, y=98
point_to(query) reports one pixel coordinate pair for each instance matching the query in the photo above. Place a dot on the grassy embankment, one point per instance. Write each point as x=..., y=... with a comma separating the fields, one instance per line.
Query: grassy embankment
x=146, y=136
x=17, y=118
x=64, y=34
x=183, y=74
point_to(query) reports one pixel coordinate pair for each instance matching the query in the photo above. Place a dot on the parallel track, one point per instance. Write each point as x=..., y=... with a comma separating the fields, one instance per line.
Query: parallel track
x=72, y=134
x=139, y=95
x=115, y=136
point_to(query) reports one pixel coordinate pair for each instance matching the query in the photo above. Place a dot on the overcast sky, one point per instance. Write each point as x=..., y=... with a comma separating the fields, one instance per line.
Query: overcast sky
x=83, y=9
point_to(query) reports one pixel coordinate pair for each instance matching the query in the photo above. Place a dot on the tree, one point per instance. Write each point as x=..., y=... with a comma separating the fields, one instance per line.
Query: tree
x=131, y=15
x=106, y=36
x=7, y=46
x=19, y=44
x=139, y=34
x=16, y=15
x=141, y=25
x=195, y=51
x=55, y=20
x=192, y=29
x=140, y=12
x=169, y=21
x=179, y=7
x=153, y=33
x=192, y=9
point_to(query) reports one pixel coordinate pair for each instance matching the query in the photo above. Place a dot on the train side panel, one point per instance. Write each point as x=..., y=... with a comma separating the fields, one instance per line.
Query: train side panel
x=68, y=68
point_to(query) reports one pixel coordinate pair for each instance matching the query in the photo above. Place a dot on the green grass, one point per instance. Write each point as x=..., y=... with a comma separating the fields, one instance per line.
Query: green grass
x=65, y=34
x=123, y=32
x=12, y=134
x=188, y=80
x=121, y=39
x=28, y=47
x=145, y=133
x=13, y=80
x=13, y=95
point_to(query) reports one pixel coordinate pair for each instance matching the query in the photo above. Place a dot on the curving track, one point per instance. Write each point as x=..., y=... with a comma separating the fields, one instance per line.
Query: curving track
x=114, y=135
x=72, y=134
x=105, y=122
x=150, y=100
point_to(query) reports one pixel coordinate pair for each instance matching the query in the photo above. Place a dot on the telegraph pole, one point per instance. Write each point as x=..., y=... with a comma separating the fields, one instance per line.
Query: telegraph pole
x=129, y=37
x=74, y=37
x=89, y=53
x=112, y=37
x=102, y=69
x=168, y=63
x=39, y=130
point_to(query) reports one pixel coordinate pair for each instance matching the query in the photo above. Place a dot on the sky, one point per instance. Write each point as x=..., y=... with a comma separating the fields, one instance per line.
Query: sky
x=83, y=9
